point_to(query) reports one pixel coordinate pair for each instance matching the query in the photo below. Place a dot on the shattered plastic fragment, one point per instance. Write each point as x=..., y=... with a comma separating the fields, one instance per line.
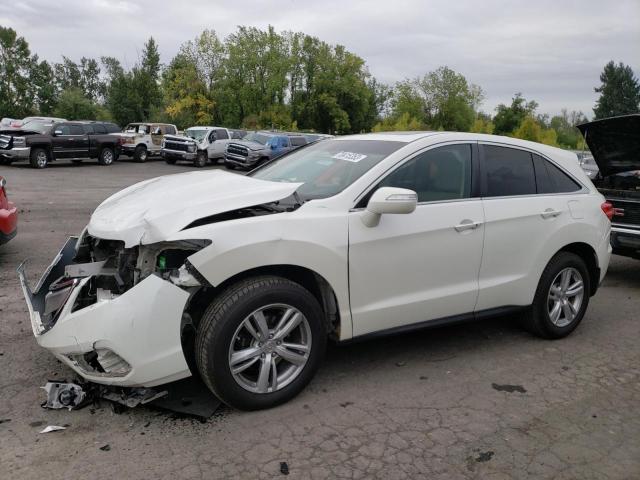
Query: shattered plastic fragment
x=63, y=395
x=52, y=428
x=133, y=397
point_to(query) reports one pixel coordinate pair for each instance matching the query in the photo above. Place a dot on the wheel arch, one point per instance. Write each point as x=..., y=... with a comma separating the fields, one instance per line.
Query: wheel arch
x=307, y=278
x=588, y=254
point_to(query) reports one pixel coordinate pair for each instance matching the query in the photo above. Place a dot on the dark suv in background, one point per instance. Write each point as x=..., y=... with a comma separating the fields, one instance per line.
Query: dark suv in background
x=42, y=142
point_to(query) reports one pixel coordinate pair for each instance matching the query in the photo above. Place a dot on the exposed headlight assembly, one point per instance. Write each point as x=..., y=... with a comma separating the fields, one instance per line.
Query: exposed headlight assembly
x=191, y=148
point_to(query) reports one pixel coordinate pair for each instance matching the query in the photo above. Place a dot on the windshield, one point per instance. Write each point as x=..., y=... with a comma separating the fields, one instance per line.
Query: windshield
x=326, y=168
x=196, y=133
x=40, y=126
x=260, y=138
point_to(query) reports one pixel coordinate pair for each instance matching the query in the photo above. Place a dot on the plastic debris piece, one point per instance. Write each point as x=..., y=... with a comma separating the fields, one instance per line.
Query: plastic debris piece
x=52, y=428
x=63, y=395
x=284, y=468
x=105, y=448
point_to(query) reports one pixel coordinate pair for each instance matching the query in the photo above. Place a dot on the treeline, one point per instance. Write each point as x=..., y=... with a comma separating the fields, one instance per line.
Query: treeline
x=264, y=79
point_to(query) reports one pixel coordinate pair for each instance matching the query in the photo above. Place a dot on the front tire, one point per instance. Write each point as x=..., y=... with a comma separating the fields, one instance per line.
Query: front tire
x=107, y=156
x=260, y=342
x=140, y=154
x=201, y=159
x=39, y=158
x=561, y=298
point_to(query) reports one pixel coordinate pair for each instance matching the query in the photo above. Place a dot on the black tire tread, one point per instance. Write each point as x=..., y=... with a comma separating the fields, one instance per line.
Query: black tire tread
x=533, y=320
x=213, y=318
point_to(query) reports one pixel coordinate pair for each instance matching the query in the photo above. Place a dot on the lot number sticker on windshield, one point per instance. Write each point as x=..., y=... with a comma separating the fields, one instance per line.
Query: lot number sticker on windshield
x=349, y=156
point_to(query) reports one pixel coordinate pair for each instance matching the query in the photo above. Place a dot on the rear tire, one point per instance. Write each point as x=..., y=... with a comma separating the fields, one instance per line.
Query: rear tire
x=106, y=157
x=561, y=298
x=200, y=160
x=276, y=302
x=39, y=158
x=140, y=154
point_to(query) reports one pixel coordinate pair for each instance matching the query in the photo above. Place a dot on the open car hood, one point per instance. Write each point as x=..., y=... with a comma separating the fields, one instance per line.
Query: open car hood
x=614, y=143
x=151, y=211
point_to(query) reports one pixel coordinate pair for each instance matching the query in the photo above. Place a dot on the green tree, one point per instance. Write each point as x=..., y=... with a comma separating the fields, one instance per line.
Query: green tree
x=16, y=89
x=619, y=91
x=43, y=82
x=565, y=127
x=450, y=101
x=531, y=129
x=186, y=99
x=509, y=118
x=73, y=105
x=406, y=99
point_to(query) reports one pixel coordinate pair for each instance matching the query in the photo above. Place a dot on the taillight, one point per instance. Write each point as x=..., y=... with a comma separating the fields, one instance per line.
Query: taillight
x=607, y=209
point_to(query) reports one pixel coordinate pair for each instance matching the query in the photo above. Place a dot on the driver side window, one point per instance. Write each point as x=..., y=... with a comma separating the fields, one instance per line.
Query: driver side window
x=439, y=174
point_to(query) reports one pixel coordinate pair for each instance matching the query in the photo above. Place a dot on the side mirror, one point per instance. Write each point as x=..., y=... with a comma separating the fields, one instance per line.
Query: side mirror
x=388, y=200
x=273, y=146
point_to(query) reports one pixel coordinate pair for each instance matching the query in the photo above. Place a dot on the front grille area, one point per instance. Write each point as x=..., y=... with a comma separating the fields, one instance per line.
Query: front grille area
x=631, y=211
x=235, y=149
x=172, y=145
x=5, y=140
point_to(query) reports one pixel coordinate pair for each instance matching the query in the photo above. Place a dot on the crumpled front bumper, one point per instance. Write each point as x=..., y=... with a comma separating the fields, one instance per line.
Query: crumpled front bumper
x=141, y=326
x=19, y=153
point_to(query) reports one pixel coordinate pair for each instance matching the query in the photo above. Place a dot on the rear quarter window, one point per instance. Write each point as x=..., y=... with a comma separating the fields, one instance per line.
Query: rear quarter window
x=298, y=141
x=550, y=179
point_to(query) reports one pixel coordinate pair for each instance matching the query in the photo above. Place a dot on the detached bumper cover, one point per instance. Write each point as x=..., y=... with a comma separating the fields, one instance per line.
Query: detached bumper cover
x=142, y=326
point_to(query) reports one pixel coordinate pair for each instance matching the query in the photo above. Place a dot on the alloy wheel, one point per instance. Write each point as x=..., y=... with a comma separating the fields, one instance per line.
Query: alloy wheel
x=41, y=159
x=565, y=297
x=270, y=348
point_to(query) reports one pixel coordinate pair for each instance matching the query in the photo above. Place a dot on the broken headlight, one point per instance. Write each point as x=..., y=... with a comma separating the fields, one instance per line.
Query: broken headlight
x=184, y=278
x=191, y=148
x=59, y=293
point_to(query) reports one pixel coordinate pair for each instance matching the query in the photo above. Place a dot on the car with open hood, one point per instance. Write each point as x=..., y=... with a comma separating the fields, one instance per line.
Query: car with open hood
x=242, y=280
x=615, y=146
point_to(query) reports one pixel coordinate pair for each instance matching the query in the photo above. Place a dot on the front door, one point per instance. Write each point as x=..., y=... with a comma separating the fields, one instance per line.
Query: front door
x=424, y=265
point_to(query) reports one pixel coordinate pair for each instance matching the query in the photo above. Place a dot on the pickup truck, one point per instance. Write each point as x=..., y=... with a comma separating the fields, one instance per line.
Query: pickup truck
x=260, y=147
x=199, y=145
x=41, y=142
x=141, y=140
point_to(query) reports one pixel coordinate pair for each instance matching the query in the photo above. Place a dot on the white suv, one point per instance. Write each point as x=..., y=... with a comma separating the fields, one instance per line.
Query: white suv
x=241, y=279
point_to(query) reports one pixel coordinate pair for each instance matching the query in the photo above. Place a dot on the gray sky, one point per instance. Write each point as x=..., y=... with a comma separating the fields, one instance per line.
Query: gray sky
x=551, y=51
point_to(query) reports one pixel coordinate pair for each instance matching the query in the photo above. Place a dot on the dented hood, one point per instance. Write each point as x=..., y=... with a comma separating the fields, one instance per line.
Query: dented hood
x=614, y=143
x=150, y=211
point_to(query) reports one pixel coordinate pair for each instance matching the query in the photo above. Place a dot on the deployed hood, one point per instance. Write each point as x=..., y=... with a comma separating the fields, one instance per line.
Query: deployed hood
x=250, y=144
x=614, y=143
x=150, y=211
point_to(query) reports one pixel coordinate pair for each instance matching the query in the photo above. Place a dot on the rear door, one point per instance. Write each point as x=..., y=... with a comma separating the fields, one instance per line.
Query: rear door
x=523, y=211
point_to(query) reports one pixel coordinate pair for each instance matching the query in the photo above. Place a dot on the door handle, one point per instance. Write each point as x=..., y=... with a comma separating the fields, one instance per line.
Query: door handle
x=550, y=213
x=467, y=225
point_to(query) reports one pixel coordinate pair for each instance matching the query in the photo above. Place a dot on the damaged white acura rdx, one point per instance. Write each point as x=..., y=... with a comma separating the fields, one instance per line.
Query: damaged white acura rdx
x=241, y=279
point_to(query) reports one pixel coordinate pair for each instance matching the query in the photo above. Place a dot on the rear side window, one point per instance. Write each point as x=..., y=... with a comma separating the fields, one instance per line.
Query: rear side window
x=89, y=128
x=298, y=141
x=99, y=128
x=508, y=172
x=551, y=179
x=221, y=135
x=76, y=130
x=112, y=128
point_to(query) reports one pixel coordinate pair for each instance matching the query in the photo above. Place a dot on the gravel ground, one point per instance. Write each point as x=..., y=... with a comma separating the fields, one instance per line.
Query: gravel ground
x=483, y=400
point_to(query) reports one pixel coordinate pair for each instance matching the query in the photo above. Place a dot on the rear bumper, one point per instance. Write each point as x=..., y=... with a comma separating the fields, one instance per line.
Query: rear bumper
x=16, y=153
x=178, y=154
x=625, y=241
x=141, y=327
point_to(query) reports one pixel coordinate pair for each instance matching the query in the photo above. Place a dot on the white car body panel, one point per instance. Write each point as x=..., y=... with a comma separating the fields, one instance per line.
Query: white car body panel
x=150, y=211
x=416, y=267
x=408, y=269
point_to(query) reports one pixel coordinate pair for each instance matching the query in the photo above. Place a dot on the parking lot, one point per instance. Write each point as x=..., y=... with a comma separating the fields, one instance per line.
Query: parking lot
x=481, y=400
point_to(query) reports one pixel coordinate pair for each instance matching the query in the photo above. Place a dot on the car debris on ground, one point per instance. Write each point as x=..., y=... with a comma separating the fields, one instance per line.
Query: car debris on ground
x=52, y=428
x=189, y=397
